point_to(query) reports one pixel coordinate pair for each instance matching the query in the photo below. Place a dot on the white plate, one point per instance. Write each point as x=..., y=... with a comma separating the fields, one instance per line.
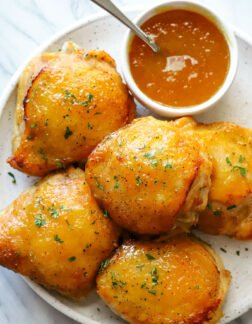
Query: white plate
x=104, y=32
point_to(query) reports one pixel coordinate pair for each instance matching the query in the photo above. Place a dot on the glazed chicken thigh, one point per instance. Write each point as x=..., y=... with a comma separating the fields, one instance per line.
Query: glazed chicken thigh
x=150, y=177
x=67, y=102
x=56, y=234
x=229, y=208
x=178, y=280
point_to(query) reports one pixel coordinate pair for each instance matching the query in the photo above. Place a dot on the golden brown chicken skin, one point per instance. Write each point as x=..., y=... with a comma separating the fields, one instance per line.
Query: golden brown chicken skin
x=67, y=102
x=179, y=280
x=150, y=177
x=56, y=234
x=230, y=198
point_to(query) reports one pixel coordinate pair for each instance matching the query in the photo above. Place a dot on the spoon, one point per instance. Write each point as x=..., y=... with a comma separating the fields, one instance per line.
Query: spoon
x=113, y=10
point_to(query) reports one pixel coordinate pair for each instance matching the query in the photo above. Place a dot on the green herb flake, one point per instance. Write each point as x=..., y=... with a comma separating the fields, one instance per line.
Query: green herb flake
x=217, y=212
x=68, y=224
x=238, y=253
x=68, y=132
x=149, y=257
x=60, y=165
x=153, y=292
x=33, y=125
x=72, y=259
x=29, y=137
x=39, y=221
x=228, y=161
x=57, y=239
x=209, y=206
x=103, y=265
x=241, y=158
x=105, y=213
x=140, y=266
x=197, y=287
x=223, y=250
x=84, y=138
x=13, y=177
x=99, y=186
x=143, y=285
x=150, y=155
x=231, y=207
x=242, y=170
x=46, y=122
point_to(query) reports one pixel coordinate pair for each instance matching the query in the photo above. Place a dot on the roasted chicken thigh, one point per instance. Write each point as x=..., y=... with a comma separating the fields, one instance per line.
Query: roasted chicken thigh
x=229, y=208
x=178, y=280
x=67, y=102
x=56, y=234
x=150, y=177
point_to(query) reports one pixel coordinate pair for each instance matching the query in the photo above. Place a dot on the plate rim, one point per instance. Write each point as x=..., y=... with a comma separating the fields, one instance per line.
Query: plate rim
x=38, y=289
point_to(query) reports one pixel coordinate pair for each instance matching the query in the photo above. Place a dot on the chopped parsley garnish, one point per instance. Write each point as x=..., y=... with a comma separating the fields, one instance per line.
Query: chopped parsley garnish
x=33, y=125
x=39, y=221
x=60, y=165
x=116, y=185
x=84, y=138
x=103, y=265
x=149, y=257
x=209, y=206
x=89, y=126
x=231, y=207
x=150, y=155
x=217, y=212
x=105, y=213
x=13, y=177
x=72, y=258
x=242, y=170
x=41, y=151
x=29, y=137
x=139, y=181
x=140, y=266
x=69, y=226
x=99, y=186
x=238, y=253
x=223, y=250
x=153, y=292
x=68, y=132
x=197, y=287
x=241, y=158
x=143, y=285
x=228, y=161
x=57, y=239
x=46, y=122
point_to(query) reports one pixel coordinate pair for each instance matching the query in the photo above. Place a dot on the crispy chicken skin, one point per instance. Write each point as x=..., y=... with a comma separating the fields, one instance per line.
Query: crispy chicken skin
x=150, y=177
x=179, y=280
x=230, y=198
x=67, y=102
x=56, y=234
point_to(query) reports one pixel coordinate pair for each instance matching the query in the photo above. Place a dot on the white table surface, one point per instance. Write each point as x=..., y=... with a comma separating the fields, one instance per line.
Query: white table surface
x=24, y=24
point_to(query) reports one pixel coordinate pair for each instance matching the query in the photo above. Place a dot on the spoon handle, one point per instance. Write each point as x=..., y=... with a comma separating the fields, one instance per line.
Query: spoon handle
x=113, y=10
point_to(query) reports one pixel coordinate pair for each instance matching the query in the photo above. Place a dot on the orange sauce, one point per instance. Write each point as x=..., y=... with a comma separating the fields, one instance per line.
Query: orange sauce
x=192, y=63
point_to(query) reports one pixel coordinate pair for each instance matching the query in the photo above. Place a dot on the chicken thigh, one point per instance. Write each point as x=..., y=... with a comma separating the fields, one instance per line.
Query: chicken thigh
x=229, y=209
x=150, y=177
x=67, y=102
x=179, y=280
x=56, y=234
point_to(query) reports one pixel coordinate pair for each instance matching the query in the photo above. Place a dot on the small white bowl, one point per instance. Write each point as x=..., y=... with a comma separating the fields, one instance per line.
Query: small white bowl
x=163, y=109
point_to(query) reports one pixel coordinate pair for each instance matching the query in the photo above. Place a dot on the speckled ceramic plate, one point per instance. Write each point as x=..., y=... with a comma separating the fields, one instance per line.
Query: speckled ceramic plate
x=104, y=32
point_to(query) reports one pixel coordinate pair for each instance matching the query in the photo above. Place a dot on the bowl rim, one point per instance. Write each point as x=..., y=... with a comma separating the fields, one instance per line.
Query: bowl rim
x=163, y=109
